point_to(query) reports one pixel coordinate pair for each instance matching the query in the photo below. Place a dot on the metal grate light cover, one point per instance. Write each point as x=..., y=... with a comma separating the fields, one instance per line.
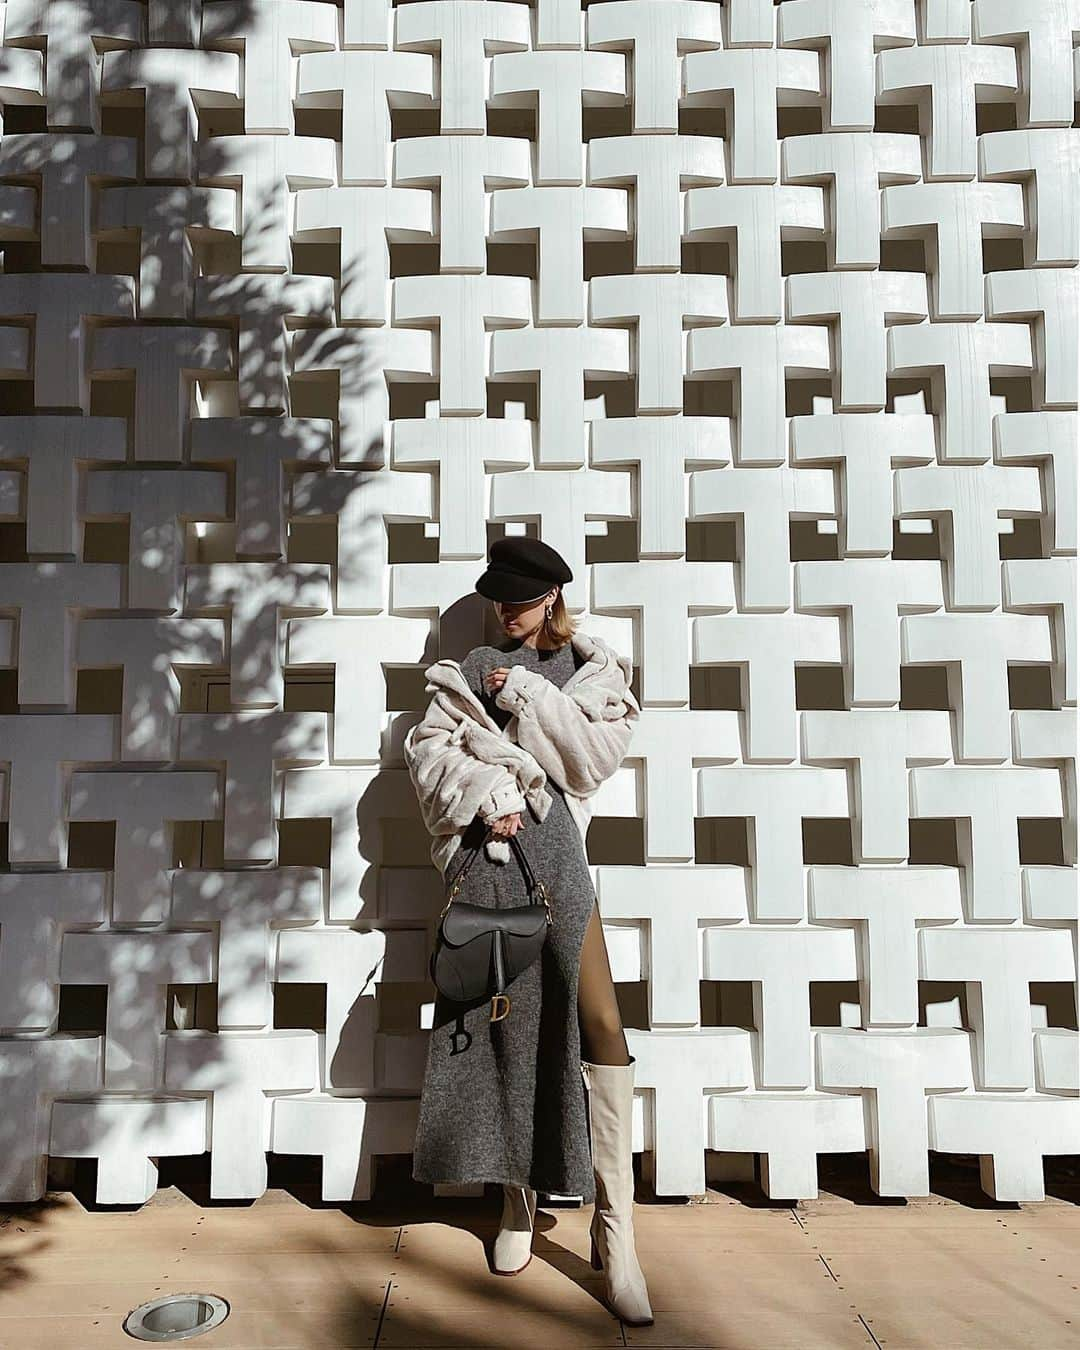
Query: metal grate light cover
x=176, y=1317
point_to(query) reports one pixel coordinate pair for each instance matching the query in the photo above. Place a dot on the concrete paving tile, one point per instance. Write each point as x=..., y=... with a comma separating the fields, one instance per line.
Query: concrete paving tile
x=941, y=1217
x=443, y=1236
x=827, y=1202
x=1049, y=1212
x=754, y=1329
x=31, y=1298
x=803, y=1282
x=234, y=1231
x=358, y=1243
x=790, y=1241
x=650, y=1246
x=49, y=1333
x=950, y=1221
x=681, y=1297
x=956, y=1299
x=1057, y=1250
x=292, y=1232
x=832, y=1239
x=197, y=1268
x=940, y=1318
x=505, y=1312
x=680, y=1216
x=695, y=1226
x=974, y=1202
x=965, y=1272
x=542, y=1295
x=701, y=1263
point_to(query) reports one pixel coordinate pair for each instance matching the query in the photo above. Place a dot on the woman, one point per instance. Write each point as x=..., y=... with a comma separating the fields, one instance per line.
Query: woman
x=516, y=741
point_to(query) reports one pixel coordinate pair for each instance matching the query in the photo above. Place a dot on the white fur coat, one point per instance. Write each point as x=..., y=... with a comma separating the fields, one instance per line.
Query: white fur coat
x=462, y=765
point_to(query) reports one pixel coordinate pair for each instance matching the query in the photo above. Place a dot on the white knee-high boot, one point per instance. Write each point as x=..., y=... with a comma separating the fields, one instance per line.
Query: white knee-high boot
x=611, y=1096
x=513, y=1244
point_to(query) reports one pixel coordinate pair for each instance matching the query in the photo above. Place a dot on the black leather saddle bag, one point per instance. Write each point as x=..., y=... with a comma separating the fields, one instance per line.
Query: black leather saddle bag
x=479, y=950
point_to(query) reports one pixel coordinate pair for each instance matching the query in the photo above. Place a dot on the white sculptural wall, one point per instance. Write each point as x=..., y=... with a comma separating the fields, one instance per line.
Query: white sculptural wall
x=766, y=318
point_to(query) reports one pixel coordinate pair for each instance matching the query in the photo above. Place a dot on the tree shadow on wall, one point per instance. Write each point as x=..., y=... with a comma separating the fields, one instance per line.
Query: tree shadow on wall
x=223, y=564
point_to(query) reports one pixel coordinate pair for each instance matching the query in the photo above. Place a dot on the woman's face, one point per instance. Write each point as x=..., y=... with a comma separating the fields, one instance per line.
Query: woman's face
x=520, y=619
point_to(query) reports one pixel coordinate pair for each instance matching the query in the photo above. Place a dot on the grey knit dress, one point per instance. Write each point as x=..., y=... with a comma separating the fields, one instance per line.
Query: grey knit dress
x=505, y=1101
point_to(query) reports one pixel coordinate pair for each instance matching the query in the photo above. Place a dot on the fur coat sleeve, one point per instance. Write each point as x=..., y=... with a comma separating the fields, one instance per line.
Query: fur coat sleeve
x=462, y=764
x=578, y=734
x=461, y=769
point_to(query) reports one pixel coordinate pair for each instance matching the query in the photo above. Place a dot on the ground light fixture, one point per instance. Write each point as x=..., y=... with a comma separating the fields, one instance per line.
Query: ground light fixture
x=176, y=1317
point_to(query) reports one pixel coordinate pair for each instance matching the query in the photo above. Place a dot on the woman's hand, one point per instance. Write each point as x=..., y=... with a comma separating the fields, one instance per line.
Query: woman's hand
x=505, y=826
x=495, y=679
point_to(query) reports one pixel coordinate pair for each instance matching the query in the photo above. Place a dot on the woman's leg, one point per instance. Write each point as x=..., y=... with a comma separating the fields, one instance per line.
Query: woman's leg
x=599, y=1019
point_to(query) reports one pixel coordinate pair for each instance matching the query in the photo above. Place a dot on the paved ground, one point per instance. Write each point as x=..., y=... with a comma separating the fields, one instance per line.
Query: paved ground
x=952, y=1272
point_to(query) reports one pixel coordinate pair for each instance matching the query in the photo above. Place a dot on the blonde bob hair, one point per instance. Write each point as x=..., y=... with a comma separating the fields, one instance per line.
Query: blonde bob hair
x=560, y=627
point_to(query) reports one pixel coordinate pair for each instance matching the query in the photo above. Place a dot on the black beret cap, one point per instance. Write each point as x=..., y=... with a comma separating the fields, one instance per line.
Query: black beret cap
x=521, y=569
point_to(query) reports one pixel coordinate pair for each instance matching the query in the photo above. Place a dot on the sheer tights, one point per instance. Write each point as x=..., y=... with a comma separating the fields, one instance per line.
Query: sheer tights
x=599, y=1018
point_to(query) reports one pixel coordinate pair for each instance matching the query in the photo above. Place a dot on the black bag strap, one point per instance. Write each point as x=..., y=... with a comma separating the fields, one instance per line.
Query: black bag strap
x=533, y=886
x=526, y=867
